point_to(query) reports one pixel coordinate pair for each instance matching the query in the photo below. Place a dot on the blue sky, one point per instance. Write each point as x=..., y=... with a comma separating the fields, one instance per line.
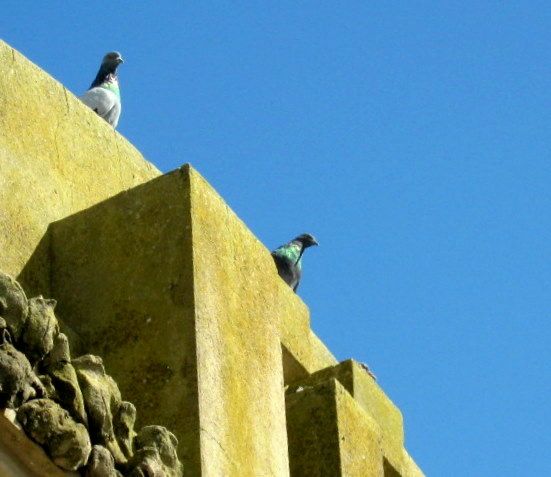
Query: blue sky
x=412, y=138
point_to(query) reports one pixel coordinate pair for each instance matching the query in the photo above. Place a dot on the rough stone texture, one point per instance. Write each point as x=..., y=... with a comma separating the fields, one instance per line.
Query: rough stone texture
x=64, y=379
x=303, y=351
x=330, y=434
x=50, y=424
x=13, y=303
x=49, y=388
x=373, y=400
x=64, y=440
x=155, y=454
x=57, y=157
x=21, y=457
x=179, y=332
x=141, y=296
x=41, y=328
x=197, y=317
x=359, y=438
x=102, y=400
x=100, y=463
x=18, y=383
x=123, y=424
x=240, y=301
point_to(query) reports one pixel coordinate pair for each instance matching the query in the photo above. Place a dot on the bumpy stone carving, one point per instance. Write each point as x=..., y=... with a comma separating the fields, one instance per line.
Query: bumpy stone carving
x=41, y=327
x=101, y=464
x=18, y=383
x=13, y=305
x=50, y=391
x=155, y=454
x=102, y=399
x=64, y=379
x=71, y=403
x=123, y=424
x=65, y=441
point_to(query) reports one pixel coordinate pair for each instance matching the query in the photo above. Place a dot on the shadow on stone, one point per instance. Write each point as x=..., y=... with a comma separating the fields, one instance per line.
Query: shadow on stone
x=35, y=276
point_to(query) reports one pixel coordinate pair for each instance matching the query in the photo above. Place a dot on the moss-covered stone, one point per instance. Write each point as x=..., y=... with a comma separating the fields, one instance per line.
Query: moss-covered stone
x=330, y=434
x=123, y=426
x=197, y=319
x=155, y=454
x=18, y=382
x=102, y=400
x=13, y=305
x=65, y=441
x=64, y=379
x=41, y=328
x=368, y=394
x=101, y=463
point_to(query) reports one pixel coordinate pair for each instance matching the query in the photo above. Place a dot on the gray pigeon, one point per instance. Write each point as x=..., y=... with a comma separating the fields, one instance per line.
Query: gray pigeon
x=104, y=96
x=288, y=259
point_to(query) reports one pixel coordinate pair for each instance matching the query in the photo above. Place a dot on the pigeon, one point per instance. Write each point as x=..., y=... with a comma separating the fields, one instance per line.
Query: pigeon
x=104, y=96
x=288, y=259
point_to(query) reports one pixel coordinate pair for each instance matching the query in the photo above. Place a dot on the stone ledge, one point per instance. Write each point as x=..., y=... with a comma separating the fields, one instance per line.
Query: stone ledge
x=330, y=434
x=371, y=398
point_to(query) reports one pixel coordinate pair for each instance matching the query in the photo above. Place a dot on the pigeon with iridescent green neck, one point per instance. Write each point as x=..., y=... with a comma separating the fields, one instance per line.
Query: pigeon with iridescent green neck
x=104, y=95
x=288, y=259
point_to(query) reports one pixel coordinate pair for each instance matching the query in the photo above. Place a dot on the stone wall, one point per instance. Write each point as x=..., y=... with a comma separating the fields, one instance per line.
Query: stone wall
x=56, y=158
x=158, y=276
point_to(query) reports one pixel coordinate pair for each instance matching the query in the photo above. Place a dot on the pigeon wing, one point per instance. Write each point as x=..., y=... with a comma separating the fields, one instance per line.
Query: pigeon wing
x=286, y=267
x=113, y=115
x=103, y=102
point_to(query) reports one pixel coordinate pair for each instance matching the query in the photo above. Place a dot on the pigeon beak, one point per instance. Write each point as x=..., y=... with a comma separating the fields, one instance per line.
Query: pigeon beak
x=120, y=60
x=315, y=242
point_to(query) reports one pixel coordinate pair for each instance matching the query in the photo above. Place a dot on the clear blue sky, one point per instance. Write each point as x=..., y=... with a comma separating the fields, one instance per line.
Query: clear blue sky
x=412, y=138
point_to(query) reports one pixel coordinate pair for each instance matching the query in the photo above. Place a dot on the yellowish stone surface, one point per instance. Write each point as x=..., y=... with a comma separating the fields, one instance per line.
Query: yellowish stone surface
x=330, y=434
x=56, y=157
x=186, y=308
x=159, y=277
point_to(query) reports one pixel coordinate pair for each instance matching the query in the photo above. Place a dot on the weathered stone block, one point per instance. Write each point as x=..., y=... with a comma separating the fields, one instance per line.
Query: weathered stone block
x=102, y=400
x=41, y=328
x=13, y=305
x=18, y=382
x=368, y=394
x=186, y=308
x=330, y=434
x=165, y=283
x=65, y=441
x=62, y=377
x=21, y=457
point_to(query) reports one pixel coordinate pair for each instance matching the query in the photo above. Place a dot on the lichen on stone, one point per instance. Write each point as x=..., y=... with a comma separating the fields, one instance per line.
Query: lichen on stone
x=66, y=441
x=18, y=382
x=69, y=405
x=155, y=454
x=102, y=399
x=40, y=330
x=101, y=463
x=64, y=379
x=13, y=305
x=123, y=425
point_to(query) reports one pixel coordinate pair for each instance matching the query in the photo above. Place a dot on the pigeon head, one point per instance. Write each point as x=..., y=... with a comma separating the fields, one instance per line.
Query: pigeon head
x=306, y=240
x=111, y=60
x=108, y=69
